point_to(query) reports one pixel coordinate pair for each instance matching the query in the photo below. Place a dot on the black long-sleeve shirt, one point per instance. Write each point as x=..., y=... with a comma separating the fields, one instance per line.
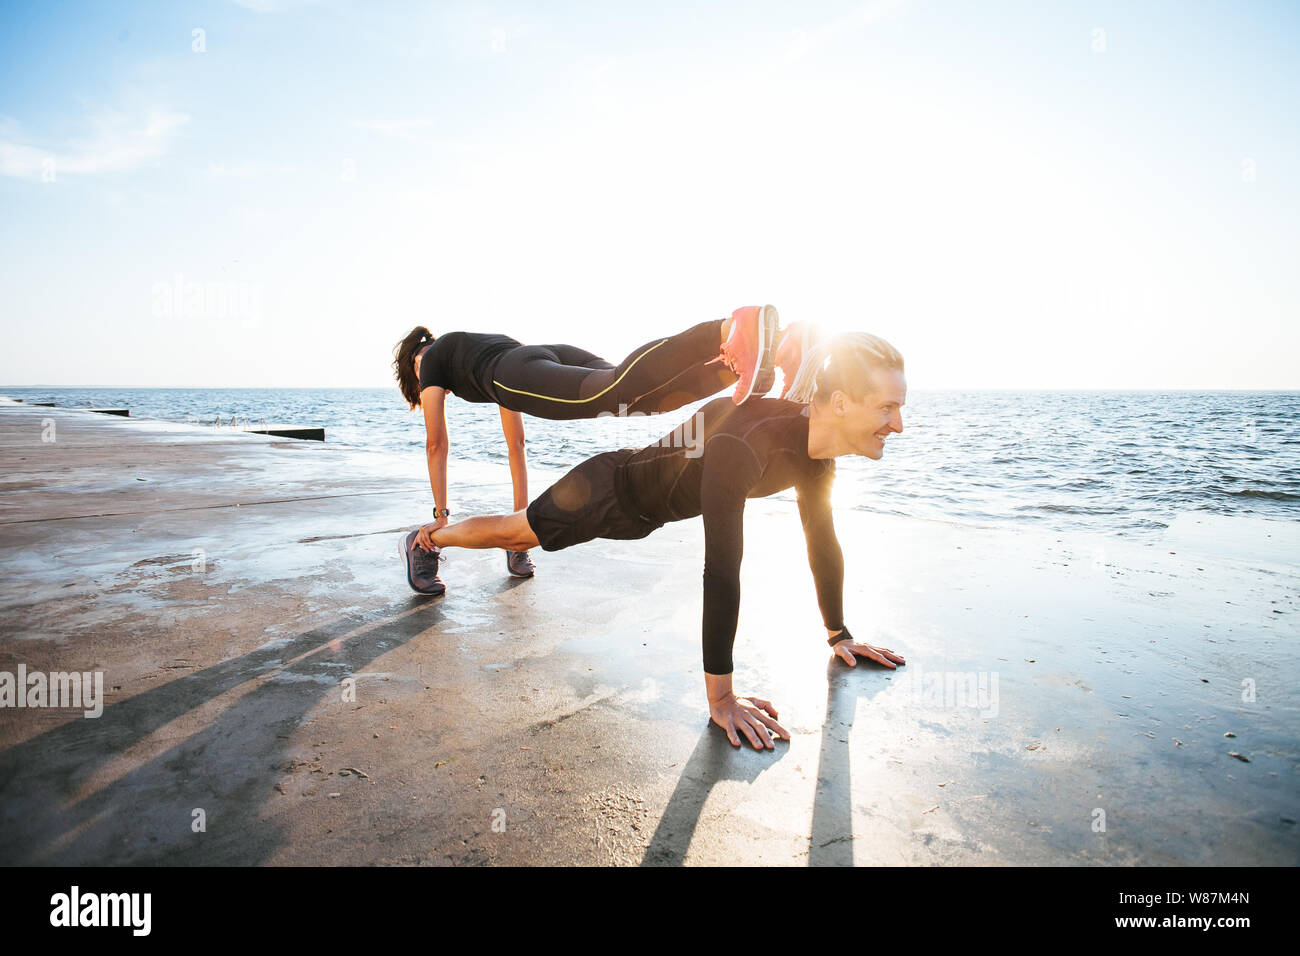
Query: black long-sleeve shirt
x=708, y=466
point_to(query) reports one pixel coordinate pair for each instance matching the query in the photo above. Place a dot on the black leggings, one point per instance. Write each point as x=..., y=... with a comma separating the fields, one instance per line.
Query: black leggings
x=564, y=382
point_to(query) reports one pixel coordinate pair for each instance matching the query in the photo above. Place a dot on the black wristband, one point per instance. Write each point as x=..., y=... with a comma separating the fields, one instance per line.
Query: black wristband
x=843, y=635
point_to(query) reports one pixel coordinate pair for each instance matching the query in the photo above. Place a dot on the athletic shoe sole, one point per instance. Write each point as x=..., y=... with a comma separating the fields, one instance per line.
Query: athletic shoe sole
x=765, y=375
x=404, y=548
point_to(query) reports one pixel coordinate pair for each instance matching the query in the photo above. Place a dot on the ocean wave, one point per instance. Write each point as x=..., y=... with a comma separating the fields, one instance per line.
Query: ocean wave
x=1010, y=458
x=1263, y=494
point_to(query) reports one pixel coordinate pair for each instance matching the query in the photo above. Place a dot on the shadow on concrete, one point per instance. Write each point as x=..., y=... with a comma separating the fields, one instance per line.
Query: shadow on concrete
x=53, y=813
x=830, y=842
x=509, y=584
x=713, y=760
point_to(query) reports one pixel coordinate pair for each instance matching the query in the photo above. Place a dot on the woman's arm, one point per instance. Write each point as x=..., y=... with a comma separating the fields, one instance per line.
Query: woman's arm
x=512, y=426
x=433, y=401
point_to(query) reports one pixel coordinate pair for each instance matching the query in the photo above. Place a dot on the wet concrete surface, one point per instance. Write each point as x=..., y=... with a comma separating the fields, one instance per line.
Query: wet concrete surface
x=1065, y=699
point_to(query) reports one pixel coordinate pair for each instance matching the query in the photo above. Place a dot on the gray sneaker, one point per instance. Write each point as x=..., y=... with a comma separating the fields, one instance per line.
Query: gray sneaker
x=421, y=566
x=519, y=564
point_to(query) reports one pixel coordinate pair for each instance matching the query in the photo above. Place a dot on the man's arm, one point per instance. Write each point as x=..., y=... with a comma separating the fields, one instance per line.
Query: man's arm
x=825, y=557
x=730, y=470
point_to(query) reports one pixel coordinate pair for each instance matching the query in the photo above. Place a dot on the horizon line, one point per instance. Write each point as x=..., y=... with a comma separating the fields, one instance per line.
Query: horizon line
x=948, y=388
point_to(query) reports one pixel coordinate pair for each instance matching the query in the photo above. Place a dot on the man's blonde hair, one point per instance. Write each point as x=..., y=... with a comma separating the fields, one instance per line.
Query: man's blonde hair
x=844, y=362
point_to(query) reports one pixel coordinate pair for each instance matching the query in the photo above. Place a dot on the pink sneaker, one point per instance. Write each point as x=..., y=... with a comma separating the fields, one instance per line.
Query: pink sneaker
x=790, y=348
x=748, y=350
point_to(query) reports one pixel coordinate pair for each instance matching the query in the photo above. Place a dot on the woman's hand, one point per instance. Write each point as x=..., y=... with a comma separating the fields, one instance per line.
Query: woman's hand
x=425, y=538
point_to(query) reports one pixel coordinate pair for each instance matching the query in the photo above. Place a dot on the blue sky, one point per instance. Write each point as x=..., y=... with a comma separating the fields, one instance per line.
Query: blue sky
x=1016, y=194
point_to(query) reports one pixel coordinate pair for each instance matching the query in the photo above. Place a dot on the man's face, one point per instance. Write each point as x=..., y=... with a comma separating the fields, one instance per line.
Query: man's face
x=865, y=425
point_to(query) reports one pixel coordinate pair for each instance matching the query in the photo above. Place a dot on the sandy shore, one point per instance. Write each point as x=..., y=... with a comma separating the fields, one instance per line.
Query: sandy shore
x=1066, y=698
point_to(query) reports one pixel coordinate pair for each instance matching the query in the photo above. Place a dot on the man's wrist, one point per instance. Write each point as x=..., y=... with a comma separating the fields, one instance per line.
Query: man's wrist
x=842, y=636
x=717, y=687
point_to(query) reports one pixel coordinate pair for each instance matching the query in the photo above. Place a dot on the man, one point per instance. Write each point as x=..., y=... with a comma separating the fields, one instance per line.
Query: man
x=845, y=399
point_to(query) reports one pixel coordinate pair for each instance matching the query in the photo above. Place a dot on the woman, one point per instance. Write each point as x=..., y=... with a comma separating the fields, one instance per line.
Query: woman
x=565, y=383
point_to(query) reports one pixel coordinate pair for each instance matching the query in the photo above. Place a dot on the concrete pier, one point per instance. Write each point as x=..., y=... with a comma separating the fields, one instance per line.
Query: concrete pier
x=301, y=432
x=275, y=694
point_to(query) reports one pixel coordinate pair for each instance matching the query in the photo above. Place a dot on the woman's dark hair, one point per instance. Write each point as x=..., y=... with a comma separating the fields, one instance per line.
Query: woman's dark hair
x=404, y=363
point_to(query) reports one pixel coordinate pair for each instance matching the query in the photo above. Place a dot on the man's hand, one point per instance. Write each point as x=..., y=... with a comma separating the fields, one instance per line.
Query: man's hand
x=425, y=538
x=846, y=651
x=752, y=715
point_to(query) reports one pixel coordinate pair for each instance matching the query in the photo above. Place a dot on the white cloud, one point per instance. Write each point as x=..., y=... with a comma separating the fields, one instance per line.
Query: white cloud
x=233, y=170
x=399, y=128
x=114, y=144
x=272, y=6
x=804, y=41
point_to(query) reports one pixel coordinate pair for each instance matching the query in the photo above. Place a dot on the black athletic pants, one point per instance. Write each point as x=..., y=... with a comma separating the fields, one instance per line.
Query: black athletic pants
x=564, y=382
